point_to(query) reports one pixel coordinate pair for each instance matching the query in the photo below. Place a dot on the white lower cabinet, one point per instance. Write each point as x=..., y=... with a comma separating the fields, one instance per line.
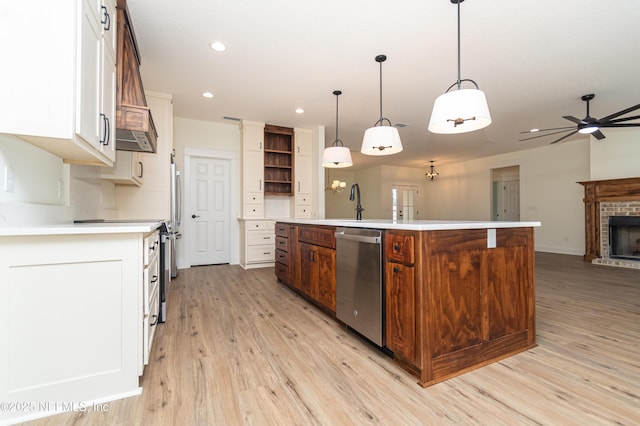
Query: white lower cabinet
x=78, y=318
x=258, y=243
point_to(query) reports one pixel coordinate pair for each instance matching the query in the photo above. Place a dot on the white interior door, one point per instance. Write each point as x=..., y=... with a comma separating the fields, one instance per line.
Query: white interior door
x=404, y=202
x=511, y=201
x=210, y=211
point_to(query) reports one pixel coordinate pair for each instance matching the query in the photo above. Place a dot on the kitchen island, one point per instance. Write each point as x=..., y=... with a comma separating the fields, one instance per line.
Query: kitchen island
x=79, y=305
x=457, y=294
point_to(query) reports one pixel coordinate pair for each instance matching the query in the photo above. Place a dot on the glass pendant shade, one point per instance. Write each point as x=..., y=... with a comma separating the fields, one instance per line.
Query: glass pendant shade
x=381, y=140
x=460, y=111
x=336, y=157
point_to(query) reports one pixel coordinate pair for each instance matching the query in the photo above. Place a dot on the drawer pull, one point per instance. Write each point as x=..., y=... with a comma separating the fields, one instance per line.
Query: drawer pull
x=266, y=252
x=154, y=279
x=155, y=320
x=266, y=238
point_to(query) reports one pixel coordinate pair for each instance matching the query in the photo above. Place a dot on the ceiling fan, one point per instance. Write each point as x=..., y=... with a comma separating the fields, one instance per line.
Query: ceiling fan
x=589, y=125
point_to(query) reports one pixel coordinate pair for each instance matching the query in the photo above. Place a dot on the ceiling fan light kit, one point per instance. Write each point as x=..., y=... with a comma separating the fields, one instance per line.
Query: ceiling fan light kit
x=381, y=139
x=589, y=125
x=460, y=110
x=337, y=155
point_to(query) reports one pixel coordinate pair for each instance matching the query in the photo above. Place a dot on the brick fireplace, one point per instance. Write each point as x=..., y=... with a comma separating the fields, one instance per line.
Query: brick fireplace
x=603, y=199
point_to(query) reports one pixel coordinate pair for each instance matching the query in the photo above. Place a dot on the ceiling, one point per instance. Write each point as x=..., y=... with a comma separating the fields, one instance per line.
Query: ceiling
x=533, y=59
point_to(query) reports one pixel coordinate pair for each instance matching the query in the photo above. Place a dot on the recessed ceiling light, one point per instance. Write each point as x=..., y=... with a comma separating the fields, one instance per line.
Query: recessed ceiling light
x=207, y=95
x=299, y=111
x=218, y=46
x=534, y=130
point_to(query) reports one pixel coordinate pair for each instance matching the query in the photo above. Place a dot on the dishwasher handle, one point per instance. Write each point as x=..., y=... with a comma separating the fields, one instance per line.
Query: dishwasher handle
x=359, y=238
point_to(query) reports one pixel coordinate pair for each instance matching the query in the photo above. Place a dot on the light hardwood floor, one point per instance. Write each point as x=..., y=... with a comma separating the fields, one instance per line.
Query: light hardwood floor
x=240, y=349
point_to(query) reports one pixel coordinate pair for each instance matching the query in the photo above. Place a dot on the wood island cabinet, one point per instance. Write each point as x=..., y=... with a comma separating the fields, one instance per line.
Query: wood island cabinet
x=309, y=264
x=400, y=295
x=455, y=299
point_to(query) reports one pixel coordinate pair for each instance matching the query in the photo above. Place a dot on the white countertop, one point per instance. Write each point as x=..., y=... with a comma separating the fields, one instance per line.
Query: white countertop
x=412, y=225
x=82, y=228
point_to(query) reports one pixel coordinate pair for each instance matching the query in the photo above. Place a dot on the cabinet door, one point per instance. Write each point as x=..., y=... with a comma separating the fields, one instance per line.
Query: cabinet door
x=253, y=137
x=303, y=175
x=108, y=106
x=303, y=142
x=253, y=171
x=109, y=25
x=88, y=72
x=325, y=272
x=307, y=275
x=400, y=310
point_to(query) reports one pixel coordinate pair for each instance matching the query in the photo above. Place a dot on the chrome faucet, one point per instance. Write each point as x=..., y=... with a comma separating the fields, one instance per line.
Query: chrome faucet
x=355, y=190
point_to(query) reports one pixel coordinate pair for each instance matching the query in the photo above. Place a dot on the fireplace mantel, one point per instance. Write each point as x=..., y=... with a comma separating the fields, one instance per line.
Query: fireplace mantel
x=595, y=192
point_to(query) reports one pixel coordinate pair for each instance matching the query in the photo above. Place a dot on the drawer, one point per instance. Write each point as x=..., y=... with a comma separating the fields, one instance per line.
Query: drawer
x=303, y=211
x=253, y=198
x=257, y=238
x=253, y=210
x=282, y=243
x=282, y=257
x=151, y=246
x=399, y=248
x=282, y=272
x=149, y=324
x=282, y=230
x=260, y=225
x=303, y=199
x=319, y=236
x=261, y=254
x=151, y=283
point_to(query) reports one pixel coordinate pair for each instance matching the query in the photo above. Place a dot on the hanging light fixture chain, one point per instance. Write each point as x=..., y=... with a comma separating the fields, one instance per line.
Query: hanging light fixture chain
x=381, y=91
x=459, y=1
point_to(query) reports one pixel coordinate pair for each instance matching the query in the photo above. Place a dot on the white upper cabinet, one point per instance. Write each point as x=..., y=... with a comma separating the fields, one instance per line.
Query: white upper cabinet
x=52, y=80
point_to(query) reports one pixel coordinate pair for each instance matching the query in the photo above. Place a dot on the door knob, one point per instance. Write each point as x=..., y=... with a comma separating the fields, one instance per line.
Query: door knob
x=193, y=216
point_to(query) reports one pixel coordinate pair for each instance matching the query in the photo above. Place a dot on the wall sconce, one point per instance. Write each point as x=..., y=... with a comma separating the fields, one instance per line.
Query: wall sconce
x=432, y=175
x=337, y=186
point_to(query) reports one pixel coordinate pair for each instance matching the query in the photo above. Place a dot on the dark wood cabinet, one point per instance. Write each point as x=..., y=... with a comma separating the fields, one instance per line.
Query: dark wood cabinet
x=278, y=160
x=306, y=261
x=286, y=244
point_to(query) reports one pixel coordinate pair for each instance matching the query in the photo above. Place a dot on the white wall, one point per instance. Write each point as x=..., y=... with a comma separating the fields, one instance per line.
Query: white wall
x=617, y=156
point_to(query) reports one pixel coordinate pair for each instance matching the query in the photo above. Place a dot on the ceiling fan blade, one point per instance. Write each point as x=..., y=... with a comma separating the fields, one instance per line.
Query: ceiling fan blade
x=619, y=113
x=620, y=125
x=546, y=134
x=565, y=136
x=547, y=130
x=618, y=120
x=572, y=118
x=598, y=135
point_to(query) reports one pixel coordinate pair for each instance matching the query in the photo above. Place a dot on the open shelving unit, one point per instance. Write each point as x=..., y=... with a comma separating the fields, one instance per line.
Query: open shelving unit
x=278, y=160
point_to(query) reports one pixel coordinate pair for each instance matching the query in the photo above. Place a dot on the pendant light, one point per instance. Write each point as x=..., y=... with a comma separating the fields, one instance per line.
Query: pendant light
x=337, y=155
x=432, y=175
x=381, y=139
x=461, y=110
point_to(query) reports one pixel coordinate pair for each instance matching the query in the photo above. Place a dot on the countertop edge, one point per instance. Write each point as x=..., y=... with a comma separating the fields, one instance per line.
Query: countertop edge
x=81, y=229
x=422, y=225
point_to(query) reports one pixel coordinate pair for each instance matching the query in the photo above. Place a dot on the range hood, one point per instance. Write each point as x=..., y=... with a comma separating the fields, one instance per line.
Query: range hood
x=135, y=130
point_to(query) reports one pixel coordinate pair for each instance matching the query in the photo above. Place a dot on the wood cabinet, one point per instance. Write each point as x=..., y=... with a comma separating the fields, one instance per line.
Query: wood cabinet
x=479, y=300
x=278, y=160
x=313, y=259
x=128, y=169
x=303, y=207
x=73, y=78
x=286, y=247
x=79, y=313
x=257, y=243
x=252, y=135
x=400, y=295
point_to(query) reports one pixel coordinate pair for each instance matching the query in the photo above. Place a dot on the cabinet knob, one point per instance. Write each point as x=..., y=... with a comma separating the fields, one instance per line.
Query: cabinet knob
x=395, y=269
x=396, y=247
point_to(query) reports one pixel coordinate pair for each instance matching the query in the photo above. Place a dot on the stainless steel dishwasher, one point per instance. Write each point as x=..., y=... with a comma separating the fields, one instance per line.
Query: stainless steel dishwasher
x=359, y=290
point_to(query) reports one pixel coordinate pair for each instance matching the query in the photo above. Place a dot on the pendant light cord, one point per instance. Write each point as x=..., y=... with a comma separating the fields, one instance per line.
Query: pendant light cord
x=381, y=92
x=459, y=1
x=337, y=117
